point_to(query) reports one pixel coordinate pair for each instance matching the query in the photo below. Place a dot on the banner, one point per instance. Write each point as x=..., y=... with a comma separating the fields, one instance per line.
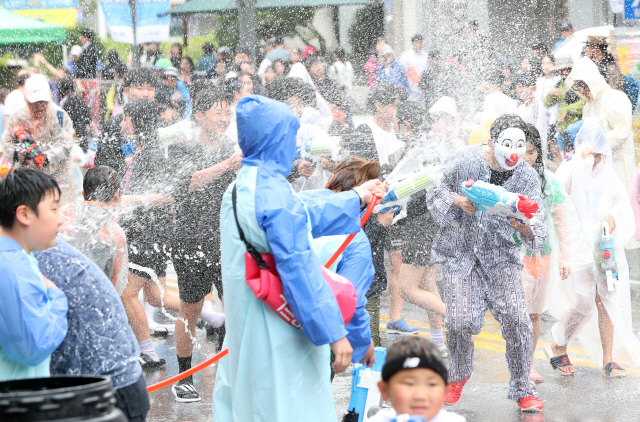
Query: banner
x=39, y=4
x=149, y=26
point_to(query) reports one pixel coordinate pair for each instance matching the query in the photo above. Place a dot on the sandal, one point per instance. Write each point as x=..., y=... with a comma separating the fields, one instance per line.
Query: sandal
x=558, y=362
x=611, y=366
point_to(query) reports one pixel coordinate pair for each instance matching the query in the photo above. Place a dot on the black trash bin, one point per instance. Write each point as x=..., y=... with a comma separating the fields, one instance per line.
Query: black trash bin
x=59, y=398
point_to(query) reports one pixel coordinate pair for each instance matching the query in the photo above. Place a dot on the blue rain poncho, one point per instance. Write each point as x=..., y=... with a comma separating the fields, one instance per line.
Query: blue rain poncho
x=275, y=372
x=356, y=265
x=33, y=319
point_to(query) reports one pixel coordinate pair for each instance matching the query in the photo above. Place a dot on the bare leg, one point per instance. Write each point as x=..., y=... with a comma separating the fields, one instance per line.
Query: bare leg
x=152, y=294
x=133, y=307
x=395, y=258
x=606, y=334
x=189, y=312
x=535, y=321
x=428, y=283
x=411, y=277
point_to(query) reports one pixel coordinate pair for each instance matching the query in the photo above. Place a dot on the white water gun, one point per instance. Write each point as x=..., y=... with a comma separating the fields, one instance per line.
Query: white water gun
x=320, y=147
x=399, y=191
x=170, y=134
x=608, y=257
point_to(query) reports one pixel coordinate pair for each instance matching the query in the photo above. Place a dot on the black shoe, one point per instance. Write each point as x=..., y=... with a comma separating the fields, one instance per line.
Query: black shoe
x=147, y=363
x=216, y=335
x=185, y=393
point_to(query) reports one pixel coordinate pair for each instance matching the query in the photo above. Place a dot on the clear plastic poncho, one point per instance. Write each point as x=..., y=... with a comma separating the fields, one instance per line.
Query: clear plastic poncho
x=565, y=249
x=596, y=193
x=95, y=232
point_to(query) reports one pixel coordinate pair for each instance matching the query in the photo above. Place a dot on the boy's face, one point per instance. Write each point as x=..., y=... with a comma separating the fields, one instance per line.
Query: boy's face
x=138, y=92
x=43, y=226
x=417, y=391
x=217, y=119
x=387, y=113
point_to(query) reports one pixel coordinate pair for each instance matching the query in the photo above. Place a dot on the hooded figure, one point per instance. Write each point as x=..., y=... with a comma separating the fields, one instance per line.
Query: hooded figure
x=447, y=134
x=274, y=371
x=612, y=109
x=597, y=193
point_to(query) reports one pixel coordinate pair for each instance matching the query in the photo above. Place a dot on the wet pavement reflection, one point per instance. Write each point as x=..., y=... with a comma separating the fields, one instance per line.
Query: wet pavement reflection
x=585, y=397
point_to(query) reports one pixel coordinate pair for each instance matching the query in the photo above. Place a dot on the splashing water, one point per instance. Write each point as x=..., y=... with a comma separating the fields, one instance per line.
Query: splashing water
x=155, y=279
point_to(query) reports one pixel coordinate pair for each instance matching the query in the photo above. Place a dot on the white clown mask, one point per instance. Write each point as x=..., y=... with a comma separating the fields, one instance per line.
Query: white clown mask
x=510, y=148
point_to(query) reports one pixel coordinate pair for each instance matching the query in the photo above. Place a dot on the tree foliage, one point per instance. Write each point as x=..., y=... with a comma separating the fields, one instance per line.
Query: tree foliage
x=366, y=28
x=278, y=23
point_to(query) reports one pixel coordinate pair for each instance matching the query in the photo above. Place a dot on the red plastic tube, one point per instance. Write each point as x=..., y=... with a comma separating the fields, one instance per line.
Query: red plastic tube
x=344, y=245
x=186, y=373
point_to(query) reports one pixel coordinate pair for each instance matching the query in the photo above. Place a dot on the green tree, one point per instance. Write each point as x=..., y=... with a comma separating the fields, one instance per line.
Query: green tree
x=287, y=22
x=367, y=27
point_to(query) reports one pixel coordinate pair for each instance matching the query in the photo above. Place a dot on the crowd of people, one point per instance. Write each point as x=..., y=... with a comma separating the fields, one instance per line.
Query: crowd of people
x=225, y=163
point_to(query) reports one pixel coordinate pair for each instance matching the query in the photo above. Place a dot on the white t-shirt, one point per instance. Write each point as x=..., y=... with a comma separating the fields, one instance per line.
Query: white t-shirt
x=387, y=415
x=14, y=101
x=418, y=61
x=415, y=64
x=386, y=144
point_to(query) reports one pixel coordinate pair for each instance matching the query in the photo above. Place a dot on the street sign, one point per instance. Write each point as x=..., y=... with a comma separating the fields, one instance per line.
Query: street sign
x=632, y=9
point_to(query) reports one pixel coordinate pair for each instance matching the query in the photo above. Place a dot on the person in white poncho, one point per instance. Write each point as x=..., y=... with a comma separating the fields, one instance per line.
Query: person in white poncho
x=601, y=319
x=612, y=109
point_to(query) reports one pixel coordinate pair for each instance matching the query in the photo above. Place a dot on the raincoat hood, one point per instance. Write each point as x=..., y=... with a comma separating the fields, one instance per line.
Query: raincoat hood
x=298, y=70
x=585, y=70
x=592, y=135
x=267, y=134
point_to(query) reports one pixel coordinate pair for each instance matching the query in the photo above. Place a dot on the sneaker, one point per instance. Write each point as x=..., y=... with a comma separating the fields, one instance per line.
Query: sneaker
x=455, y=391
x=185, y=393
x=530, y=404
x=147, y=363
x=216, y=335
x=401, y=327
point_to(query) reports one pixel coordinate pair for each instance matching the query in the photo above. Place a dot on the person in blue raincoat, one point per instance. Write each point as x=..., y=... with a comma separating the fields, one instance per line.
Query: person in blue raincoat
x=274, y=371
x=355, y=263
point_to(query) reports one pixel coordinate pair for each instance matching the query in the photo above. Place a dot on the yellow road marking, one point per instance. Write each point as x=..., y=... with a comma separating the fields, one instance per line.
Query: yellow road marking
x=494, y=342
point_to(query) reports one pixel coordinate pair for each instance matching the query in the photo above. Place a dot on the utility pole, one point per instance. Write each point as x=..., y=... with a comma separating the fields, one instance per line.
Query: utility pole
x=135, y=50
x=247, y=20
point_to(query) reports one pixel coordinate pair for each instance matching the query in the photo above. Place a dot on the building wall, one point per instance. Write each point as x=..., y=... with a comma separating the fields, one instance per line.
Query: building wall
x=588, y=13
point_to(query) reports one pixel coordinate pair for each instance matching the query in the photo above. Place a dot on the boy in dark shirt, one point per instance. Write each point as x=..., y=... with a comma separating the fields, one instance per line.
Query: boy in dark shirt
x=206, y=167
x=138, y=84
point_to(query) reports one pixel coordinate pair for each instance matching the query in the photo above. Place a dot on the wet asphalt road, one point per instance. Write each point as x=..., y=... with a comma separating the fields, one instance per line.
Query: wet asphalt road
x=586, y=397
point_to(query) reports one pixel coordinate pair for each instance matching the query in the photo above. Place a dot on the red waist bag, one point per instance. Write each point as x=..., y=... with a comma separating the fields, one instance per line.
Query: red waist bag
x=264, y=280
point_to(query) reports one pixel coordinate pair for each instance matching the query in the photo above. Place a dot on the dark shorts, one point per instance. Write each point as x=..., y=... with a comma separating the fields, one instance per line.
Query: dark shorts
x=197, y=271
x=420, y=232
x=149, y=254
x=395, y=237
x=133, y=400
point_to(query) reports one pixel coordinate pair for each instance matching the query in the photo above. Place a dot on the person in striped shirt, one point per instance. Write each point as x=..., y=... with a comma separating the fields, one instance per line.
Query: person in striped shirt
x=480, y=258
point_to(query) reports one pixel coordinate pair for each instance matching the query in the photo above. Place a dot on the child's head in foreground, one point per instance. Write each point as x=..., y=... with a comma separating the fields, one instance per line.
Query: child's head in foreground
x=29, y=202
x=414, y=378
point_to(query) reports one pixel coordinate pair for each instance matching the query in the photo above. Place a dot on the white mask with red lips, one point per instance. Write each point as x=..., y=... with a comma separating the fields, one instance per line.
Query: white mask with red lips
x=510, y=148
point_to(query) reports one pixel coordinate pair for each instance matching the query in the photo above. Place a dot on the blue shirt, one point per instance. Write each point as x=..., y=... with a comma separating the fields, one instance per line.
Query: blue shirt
x=99, y=340
x=33, y=319
x=559, y=43
x=396, y=74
